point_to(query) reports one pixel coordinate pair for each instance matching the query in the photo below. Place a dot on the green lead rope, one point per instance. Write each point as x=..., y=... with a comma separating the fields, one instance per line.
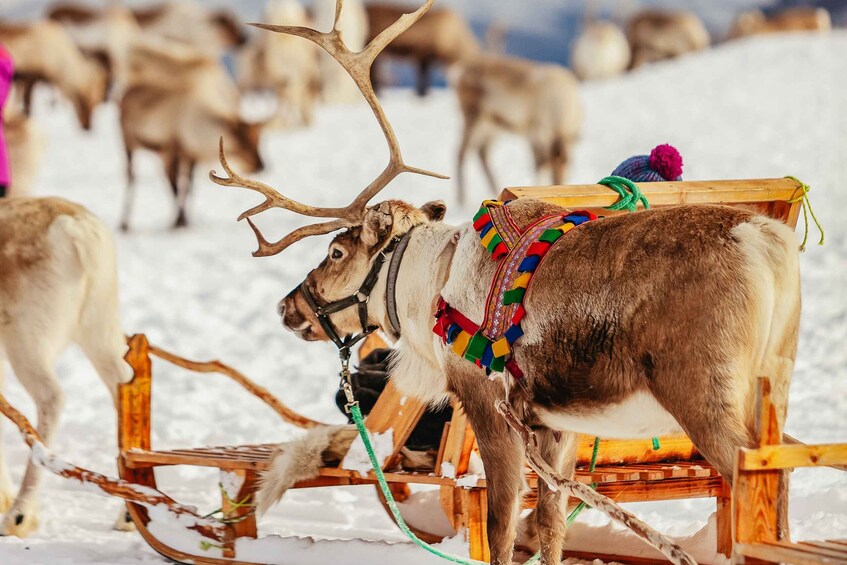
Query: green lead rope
x=806, y=204
x=356, y=413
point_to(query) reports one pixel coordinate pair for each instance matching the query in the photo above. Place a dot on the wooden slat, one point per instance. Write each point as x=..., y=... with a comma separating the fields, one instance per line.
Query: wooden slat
x=397, y=412
x=785, y=552
x=723, y=519
x=238, y=511
x=455, y=441
x=475, y=504
x=830, y=549
x=664, y=193
x=790, y=456
x=754, y=497
x=626, y=451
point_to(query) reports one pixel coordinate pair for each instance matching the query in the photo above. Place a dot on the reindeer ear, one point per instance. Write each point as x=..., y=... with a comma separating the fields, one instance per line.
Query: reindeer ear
x=377, y=225
x=435, y=210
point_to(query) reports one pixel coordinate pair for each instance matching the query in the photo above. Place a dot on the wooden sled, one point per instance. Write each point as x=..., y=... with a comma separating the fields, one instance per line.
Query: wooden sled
x=627, y=471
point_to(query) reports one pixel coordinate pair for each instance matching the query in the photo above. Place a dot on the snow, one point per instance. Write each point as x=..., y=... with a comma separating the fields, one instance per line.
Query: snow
x=766, y=107
x=357, y=458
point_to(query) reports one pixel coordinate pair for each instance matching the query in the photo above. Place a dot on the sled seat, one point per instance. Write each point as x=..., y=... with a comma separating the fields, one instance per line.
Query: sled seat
x=257, y=458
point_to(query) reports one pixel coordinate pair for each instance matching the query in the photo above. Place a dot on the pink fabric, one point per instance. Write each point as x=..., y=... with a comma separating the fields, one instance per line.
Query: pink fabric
x=7, y=70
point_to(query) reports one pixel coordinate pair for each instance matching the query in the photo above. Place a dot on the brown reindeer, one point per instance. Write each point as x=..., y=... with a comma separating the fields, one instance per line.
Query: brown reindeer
x=177, y=105
x=44, y=52
x=801, y=18
x=441, y=36
x=656, y=35
x=505, y=94
x=662, y=322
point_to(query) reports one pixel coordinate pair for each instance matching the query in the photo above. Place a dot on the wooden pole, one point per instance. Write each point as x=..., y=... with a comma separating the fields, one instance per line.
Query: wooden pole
x=146, y=496
x=674, y=553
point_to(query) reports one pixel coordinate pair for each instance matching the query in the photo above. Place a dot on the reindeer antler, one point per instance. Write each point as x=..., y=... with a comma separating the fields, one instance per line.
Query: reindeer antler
x=358, y=66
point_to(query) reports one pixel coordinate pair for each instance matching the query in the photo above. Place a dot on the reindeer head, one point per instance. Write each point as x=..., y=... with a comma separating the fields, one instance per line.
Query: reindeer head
x=331, y=303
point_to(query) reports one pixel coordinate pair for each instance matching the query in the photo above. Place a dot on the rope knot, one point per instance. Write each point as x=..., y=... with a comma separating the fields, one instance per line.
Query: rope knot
x=806, y=205
x=629, y=193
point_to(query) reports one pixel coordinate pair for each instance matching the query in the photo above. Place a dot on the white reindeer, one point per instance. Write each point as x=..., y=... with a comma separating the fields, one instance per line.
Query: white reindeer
x=601, y=51
x=58, y=284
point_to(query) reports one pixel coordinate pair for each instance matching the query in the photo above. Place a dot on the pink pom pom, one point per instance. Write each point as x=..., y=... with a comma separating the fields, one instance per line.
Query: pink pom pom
x=666, y=160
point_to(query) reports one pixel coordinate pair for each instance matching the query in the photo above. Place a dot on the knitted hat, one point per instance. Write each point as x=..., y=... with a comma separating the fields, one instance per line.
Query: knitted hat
x=663, y=164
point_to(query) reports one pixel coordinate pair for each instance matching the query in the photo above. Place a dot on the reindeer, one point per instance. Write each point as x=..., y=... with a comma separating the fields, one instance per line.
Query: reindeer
x=601, y=51
x=506, y=94
x=44, y=52
x=801, y=18
x=176, y=105
x=442, y=36
x=211, y=31
x=656, y=35
x=58, y=284
x=107, y=34
x=285, y=65
x=663, y=322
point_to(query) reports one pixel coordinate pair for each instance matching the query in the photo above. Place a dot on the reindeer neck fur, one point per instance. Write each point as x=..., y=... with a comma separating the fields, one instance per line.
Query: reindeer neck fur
x=425, y=267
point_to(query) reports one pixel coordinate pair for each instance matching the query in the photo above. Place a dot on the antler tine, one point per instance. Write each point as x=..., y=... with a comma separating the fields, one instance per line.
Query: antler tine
x=266, y=249
x=273, y=199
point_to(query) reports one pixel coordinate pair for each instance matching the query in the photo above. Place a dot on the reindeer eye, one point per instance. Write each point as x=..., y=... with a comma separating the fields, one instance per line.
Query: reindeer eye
x=336, y=254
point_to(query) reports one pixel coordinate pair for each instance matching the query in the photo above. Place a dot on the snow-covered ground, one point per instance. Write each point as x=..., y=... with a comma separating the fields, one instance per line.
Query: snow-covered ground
x=763, y=108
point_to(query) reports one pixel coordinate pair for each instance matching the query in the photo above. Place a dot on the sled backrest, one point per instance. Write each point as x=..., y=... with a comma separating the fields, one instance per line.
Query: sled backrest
x=777, y=198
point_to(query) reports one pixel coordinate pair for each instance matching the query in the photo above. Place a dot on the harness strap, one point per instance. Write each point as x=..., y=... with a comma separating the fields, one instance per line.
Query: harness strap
x=391, y=282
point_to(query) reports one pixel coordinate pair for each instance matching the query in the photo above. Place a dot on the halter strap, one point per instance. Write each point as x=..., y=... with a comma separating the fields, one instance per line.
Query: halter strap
x=391, y=282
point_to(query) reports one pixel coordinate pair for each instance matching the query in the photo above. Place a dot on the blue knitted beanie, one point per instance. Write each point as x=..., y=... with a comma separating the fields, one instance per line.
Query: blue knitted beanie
x=663, y=164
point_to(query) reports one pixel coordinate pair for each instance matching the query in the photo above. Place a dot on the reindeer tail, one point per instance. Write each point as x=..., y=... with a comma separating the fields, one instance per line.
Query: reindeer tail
x=301, y=460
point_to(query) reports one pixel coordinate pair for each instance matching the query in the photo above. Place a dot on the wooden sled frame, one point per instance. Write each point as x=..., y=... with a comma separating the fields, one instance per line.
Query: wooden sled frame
x=627, y=471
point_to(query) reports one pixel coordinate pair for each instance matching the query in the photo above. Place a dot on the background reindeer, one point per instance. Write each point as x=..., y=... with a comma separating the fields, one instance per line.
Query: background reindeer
x=44, y=52
x=601, y=51
x=801, y=18
x=505, y=94
x=441, y=36
x=58, y=284
x=656, y=35
x=284, y=65
x=26, y=144
x=177, y=105
x=605, y=348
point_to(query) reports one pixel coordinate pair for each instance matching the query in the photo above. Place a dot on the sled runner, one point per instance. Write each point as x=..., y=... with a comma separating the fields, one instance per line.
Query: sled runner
x=626, y=470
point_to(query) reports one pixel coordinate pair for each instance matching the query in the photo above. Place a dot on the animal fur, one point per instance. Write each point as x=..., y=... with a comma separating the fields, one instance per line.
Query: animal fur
x=44, y=52
x=58, y=284
x=540, y=102
x=301, y=460
x=666, y=318
x=656, y=35
x=601, y=51
x=802, y=18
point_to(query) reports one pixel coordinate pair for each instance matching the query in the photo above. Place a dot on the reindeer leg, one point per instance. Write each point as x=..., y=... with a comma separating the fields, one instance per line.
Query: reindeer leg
x=486, y=166
x=180, y=195
x=550, y=512
x=559, y=160
x=460, y=173
x=129, y=195
x=5, y=485
x=424, y=68
x=35, y=372
x=503, y=456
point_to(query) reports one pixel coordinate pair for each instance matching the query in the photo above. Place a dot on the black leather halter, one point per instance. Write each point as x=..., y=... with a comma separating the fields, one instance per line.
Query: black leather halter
x=359, y=299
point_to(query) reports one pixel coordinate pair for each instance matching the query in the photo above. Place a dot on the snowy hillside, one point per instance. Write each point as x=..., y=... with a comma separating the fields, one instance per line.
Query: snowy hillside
x=762, y=108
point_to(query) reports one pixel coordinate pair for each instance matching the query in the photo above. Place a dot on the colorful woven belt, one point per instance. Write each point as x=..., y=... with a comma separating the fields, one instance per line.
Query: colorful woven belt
x=518, y=253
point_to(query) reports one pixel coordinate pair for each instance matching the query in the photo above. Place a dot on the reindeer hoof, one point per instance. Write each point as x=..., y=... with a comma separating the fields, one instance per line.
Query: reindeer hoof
x=181, y=222
x=124, y=523
x=19, y=524
x=124, y=227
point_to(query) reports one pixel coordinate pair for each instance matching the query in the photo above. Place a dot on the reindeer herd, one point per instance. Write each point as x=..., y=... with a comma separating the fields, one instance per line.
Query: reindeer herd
x=162, y=67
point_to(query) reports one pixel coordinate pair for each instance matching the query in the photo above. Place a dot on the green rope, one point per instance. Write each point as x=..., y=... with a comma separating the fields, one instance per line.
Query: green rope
x=806, y=204
x=656, y=445
x=629, y=193
x=389, y=499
